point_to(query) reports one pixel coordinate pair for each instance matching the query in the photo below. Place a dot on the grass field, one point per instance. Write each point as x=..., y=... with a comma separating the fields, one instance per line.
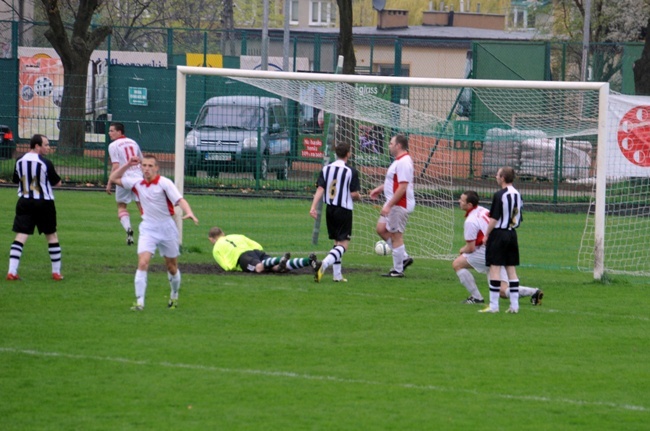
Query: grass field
x=280, y=352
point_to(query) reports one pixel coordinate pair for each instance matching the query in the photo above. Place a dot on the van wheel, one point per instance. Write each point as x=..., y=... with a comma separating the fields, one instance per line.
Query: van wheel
x=283, y=173
x=264, y=170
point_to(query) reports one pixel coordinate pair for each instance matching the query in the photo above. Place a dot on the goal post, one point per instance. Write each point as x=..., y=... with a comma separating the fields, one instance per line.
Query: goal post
x=508, y=117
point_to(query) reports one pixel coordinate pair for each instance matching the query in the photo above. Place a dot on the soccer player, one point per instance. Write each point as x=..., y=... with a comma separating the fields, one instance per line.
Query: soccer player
x=342, y=184
x=472, y=254
x=400, y=202
x=158, y=195
x=35, y=176
x=120, y=151
x=502, y=247
x=240, y=253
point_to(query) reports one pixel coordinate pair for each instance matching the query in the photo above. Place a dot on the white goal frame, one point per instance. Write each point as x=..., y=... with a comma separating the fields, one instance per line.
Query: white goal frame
x=603, y=96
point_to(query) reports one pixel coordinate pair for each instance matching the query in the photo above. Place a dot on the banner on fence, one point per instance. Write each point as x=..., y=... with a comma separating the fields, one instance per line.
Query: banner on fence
x=41, y=88
x=628, y=151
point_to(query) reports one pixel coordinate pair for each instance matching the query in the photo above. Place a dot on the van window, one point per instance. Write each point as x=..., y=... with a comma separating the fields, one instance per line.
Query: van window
x=230, y=116
x=278, y=116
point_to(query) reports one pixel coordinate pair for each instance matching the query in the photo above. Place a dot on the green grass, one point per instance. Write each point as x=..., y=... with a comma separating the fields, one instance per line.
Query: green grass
x=279, y=352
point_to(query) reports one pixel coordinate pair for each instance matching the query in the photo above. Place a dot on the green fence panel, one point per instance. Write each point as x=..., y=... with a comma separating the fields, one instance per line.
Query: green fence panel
x=10, y=94
x=149, y=120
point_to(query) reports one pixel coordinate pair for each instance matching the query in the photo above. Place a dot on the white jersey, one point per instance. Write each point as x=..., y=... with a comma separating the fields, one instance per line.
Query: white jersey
x=401, y=171
x=476, y=224
x=157, y=199
x=121, y=150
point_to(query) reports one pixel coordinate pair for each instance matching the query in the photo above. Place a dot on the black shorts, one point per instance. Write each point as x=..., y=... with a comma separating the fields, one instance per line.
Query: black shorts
x=31, y=213
x=502, y=248
x=339, y=223
x=248, y=260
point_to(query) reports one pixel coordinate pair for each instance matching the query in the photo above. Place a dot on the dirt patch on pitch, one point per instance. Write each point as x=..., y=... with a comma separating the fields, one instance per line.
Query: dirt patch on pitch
x=206, y=268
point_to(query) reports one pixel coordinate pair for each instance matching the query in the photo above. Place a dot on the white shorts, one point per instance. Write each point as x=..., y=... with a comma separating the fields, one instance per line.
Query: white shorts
x=477, y=260
x=164, y=237
x=396, y=220
x=125, y=196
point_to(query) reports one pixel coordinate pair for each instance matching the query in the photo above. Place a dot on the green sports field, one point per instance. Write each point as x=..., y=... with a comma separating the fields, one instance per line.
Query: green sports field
x=280, y=352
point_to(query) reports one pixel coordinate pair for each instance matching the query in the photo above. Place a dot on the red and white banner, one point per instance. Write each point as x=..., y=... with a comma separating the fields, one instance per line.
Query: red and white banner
x=628, y=150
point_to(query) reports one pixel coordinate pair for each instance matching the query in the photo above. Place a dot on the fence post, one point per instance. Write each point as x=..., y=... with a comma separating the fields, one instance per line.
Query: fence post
x=244, y=43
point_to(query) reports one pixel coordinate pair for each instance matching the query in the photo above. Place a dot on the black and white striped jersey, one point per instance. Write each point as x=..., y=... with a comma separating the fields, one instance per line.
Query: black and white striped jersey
x=506, y=208
x=35, y=176
x=339, y=182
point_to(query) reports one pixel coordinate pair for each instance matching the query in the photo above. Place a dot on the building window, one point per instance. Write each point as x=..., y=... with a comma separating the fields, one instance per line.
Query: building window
x=321, y=13
x=294, y=15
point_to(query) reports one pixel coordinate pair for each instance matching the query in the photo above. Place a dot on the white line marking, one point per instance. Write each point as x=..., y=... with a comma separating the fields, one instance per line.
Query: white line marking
x=293, y=375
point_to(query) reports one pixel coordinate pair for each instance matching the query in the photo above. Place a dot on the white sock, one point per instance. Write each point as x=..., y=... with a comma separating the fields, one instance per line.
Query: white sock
x=467, y=279
x=526, y=291
x=327, y=262
x=336, y=269
x=174, y=283
x=389, y=241
x=54, y=250
x=514, y=294
x=125, y=220
x=495, y=286
x=398, y=258
x=140, y=286
x=15, y=253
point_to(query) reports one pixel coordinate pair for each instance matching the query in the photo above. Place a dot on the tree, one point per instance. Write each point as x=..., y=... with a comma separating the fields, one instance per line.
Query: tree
x=75, y=46
x=642, y=66
x=612, y=22
x=345, y=43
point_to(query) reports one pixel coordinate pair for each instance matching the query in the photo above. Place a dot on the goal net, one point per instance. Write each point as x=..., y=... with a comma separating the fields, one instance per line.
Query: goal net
x=460, y=132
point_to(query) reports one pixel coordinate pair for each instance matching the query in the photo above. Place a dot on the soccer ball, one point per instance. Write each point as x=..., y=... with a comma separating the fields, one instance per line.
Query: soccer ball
x=382, y=248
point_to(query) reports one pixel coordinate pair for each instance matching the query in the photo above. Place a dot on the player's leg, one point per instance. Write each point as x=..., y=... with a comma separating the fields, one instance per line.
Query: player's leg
x=169, y=249
x=24, y=225
x=123, y=197
x=147, y=244
x=511, y=256
x=297, y=262
x=462, y=266
x=54, y=250
x=396, y=225
x=174, y=277
x=46, y=223
x=140, y=281
x=269, y=263
x=15, y=254
x=339, y=229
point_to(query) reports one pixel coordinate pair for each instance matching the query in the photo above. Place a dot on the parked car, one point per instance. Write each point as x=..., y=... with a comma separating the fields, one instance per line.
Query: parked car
x=7, y=143
x=239, y=134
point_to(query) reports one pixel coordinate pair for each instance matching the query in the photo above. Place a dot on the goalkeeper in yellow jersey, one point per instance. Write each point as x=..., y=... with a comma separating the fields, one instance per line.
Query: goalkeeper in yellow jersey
x=240, y=253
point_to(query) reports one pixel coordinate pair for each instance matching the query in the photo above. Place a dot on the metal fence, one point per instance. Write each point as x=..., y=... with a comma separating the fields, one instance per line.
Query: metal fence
x=132, y=80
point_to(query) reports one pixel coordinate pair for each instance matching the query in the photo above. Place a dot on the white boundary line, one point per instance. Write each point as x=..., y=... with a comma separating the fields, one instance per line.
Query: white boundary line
x=292, y=375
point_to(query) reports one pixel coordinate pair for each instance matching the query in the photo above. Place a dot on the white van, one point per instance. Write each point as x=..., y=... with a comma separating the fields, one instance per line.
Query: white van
x=239, y=134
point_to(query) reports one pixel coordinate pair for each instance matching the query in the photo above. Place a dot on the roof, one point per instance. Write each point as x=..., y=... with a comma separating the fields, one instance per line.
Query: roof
x=445, y=33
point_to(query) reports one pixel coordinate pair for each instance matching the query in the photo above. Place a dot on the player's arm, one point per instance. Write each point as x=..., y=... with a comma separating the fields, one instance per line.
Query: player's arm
x=376, y=192
x=109, y=184
x=355, y=186
x=399, y=194
x=187, y=211
x=469, y=247
x=491, y=224
x=116, y=176
x=318, y=196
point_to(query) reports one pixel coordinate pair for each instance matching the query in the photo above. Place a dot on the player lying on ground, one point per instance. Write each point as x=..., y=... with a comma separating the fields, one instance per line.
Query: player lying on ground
x=240, y=253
